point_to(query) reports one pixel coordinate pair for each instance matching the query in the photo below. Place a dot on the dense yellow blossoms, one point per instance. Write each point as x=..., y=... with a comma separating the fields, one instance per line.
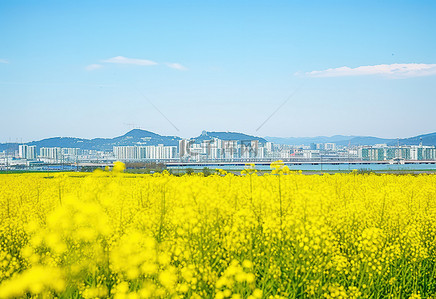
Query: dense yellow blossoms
x=280, y=235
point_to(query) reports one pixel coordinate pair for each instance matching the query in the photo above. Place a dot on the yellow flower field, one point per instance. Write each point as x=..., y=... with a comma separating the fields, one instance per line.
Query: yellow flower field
x=280, y=235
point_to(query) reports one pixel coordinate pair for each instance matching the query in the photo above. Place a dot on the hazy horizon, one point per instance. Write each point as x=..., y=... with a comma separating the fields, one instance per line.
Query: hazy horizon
x=17, y=140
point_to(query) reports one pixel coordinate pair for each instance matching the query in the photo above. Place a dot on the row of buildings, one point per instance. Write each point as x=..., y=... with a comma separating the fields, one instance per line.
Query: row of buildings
x=29, y=152
x=384, y=153
x=145, y=152
x=58, y=154
x=254, y=150
x=217, y=149
x=227, y=150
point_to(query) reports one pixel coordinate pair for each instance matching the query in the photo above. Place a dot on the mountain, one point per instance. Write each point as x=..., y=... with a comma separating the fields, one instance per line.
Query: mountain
x=143, y=137
x=365, y=140
x=133, y=137
x=9, y=147
x=427, y=139
x=138, y=137
x=338, y=139
x=228, y=136
x=309, y=140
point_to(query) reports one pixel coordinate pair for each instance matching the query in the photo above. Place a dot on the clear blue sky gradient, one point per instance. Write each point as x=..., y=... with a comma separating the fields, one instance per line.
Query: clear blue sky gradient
x=243, y=59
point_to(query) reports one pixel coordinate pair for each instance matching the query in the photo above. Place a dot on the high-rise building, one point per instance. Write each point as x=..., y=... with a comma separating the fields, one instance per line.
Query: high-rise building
x=373, y=154
x=145, y=152
x=230, y=148
x=249, y=149
x=382, y=152
x=69, y=151
x=126, y=153
x=310, y=154
x=53, y=154
x=330, y=146
x=27, y=152
x=421, y=152
x=183, y=148
x=22, y=151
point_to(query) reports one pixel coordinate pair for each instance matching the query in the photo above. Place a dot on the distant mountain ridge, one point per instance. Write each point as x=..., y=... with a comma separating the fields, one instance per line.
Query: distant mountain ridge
x=133, y=137
x=427, y=139
x=143, y=137
x=308, y=140
x=338, y=139
x=228, y=136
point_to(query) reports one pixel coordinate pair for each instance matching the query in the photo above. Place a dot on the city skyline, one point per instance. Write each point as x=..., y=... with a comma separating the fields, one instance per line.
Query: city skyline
x=215, y=149
x=288, y=69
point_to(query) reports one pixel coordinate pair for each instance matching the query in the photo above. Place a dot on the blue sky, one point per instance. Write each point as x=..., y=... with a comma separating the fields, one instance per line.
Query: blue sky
x=91, y=68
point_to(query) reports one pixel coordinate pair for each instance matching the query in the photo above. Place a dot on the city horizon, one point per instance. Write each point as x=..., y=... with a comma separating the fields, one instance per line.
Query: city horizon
x=211, y=149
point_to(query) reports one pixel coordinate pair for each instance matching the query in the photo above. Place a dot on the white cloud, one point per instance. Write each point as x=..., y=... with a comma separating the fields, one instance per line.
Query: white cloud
x=92, y=67
x=125, y=60
x=3, y=61
x=396, y=70
x=177, y=66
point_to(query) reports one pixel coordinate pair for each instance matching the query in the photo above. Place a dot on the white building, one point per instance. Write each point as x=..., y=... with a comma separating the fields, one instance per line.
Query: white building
x=261, y=152
x=330, y=146
x=126, y=152
x=51, y=154
x=27, y=152
x=230, y=149
x=311, y=154
x=249, y=150
x=422, y=152
x=69, y=151
x=145, y=152
x=285, y=154
x=183, y=148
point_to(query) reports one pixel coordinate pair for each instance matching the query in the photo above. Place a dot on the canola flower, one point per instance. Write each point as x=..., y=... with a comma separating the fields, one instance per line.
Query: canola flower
x=279, y=235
